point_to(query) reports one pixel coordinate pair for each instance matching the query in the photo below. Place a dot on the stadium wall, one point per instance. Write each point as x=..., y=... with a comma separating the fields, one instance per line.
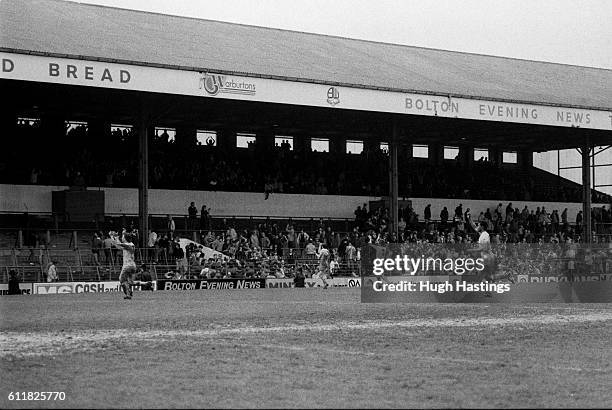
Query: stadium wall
x=37, y=198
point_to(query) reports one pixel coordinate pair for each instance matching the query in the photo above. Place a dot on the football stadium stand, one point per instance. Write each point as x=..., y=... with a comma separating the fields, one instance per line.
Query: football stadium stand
x=291, y=139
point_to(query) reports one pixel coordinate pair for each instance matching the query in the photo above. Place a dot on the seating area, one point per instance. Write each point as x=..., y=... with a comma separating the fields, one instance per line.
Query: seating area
x=183, y=164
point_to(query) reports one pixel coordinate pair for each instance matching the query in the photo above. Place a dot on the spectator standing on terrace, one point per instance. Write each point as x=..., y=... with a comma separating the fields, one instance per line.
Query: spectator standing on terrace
x=459, y=212
x=358, y=215
x=495, y=219
x=509, y=210
x=192, y=211
x=525, y=214
x=265, y=242
x=52, y=272
x=204, y=219
x=163, y=246
x=444, y=216
x=351, y=258
x=554, y=219
x=509, y=215
x=467, y=216
x=152, y=245
x=108, y=245
x=302, y=239
x=291, y=236
x=179, y=256
x=171, y=226
x=217, y=244
x=283, y=245
x=482, y=219
x=310, y=250
x=96, y=246
x=401, y=226
x=334, y=266
x=254, y=240
x=579, y=222
x=427, y=213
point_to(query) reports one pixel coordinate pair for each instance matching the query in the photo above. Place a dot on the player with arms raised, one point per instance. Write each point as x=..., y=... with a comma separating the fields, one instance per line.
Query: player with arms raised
x=489, y=273
x=128, y=270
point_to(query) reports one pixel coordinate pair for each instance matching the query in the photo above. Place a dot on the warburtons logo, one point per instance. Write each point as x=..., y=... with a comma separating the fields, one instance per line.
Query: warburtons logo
x=333, y=96
x=214, y=84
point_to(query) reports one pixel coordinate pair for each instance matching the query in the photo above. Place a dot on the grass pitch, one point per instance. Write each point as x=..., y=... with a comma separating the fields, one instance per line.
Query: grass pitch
x=300, y=348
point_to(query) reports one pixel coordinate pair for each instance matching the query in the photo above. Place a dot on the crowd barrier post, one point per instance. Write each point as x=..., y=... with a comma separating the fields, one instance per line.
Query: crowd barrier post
x=45, y=254
x=79, y=260
x=73, y=240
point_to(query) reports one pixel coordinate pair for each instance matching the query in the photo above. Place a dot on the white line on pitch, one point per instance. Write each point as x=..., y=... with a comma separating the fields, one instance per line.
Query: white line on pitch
x=46, y=343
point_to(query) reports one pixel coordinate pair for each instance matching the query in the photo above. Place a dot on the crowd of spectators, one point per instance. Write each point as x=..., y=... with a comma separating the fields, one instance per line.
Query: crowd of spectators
x=271, y=249
x=80, y=160
x=275, y=249
x=264, y=251
x=504, y=223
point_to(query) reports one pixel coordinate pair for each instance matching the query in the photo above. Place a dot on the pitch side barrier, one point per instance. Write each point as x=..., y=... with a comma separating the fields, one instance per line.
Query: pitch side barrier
x=506, y=273
x=54, y=288
x=251, y=283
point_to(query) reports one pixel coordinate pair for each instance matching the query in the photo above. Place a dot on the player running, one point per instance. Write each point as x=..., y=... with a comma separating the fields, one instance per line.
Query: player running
x=324, y=260
x=128, y=270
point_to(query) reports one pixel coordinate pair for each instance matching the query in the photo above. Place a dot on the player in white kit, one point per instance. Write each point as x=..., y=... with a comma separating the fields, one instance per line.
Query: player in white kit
x=128, y=270
x=324, y=259
x=490, y=272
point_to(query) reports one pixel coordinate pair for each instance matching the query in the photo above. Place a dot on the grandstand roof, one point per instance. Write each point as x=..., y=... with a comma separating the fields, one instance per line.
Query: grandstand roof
x=88, y=32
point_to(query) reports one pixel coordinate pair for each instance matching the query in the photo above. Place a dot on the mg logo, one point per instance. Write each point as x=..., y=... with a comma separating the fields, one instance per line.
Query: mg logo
x=212, y=83
x=52, y=289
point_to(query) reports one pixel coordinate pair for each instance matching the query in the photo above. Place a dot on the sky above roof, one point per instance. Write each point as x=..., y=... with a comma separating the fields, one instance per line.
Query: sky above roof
x=574, y=32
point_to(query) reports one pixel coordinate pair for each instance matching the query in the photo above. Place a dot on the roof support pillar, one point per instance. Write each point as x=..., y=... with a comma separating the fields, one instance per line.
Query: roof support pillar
x=586, y=189
x=143, y=175
x=393, y=180
x=437, y=153
x=525, y=160
x=466, y=156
